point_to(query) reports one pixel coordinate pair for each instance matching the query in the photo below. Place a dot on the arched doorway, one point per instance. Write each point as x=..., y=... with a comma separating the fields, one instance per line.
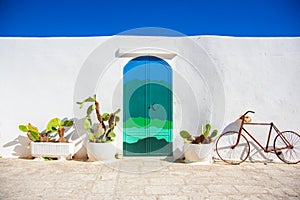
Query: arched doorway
x=147, y=107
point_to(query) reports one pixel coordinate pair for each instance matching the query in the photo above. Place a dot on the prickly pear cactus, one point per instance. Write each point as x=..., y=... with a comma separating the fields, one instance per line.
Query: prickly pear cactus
x=107, y=122
x=203, y=138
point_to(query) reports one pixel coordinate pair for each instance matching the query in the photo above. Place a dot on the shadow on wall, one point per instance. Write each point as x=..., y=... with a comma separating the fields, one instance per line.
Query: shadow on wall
x=79, y=135
x=75, y=134
x=256, y=153
x=22, y=147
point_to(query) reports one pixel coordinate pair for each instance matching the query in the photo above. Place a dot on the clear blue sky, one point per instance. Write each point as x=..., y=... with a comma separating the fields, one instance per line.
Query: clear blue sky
x=191, y=17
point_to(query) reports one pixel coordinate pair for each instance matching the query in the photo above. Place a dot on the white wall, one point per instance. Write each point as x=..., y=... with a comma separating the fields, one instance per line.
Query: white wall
x=39, y=80
x=261, y=74
x=37, y=77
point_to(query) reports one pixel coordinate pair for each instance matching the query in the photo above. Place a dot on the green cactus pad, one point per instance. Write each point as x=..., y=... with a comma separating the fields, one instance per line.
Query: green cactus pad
x=207, y=129
x=23, y=128
x=91, y=137
x=184, y=134
x=214, y=133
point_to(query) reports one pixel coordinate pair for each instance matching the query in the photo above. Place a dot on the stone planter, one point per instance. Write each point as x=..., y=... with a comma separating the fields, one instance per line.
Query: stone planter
x=101, y=151
x=201, y=153
x=53, y=150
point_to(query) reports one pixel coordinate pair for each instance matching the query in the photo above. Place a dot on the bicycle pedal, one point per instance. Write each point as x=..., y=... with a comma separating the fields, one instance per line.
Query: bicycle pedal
x=278, y=153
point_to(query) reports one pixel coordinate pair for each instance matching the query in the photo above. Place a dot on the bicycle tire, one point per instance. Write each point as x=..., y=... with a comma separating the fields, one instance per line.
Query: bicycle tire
x=289, y=156
x=231, y=155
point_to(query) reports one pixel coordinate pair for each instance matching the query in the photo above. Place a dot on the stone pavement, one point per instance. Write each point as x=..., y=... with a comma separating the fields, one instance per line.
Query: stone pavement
x=146, y=178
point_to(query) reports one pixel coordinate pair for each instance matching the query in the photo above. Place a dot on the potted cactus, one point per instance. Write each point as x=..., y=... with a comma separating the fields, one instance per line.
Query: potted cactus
x=56, y=125
x=46, y=143
x=101, y=139
x=199, y=148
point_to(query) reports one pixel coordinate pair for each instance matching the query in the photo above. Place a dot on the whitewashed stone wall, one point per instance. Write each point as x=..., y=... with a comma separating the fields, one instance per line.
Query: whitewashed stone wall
x=225, y=76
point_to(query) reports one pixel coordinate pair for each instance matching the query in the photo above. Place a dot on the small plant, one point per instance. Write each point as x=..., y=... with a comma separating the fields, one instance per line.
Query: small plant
x=48, y=158
x=33, y=133
x=54, y=126
x=203, y=138
x=104, y=132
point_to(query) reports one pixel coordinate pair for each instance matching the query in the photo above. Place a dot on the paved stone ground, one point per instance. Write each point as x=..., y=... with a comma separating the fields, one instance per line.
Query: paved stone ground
x=146, y=179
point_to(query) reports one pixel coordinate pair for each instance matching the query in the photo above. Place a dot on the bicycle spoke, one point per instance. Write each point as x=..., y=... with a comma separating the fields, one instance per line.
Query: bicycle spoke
x=232, y=139
x=296, y=140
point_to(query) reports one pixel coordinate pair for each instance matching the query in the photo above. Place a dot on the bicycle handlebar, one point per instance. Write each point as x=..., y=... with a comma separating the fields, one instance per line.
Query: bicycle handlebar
x=249, y=111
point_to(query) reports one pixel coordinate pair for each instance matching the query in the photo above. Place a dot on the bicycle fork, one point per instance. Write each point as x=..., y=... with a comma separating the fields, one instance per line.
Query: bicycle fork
x=286, y=142
x=239, y=134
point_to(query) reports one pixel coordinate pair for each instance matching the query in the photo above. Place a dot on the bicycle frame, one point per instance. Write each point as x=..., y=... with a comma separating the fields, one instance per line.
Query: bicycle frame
x=272, y=127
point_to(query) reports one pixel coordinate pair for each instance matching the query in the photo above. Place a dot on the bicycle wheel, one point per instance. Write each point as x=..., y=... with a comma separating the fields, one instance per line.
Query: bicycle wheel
x=292, y=155
x=231, y=155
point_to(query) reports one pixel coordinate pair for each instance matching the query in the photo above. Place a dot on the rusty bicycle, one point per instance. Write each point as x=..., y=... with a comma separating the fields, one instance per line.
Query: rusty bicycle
x=234, y=148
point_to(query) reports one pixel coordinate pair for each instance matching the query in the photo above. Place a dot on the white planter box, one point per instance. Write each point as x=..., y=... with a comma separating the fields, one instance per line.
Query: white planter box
x=198, y=153
x=101, y=151
x=53, y=150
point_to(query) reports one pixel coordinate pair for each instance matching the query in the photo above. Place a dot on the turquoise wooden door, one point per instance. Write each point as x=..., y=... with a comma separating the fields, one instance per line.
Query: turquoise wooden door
x=147, y=107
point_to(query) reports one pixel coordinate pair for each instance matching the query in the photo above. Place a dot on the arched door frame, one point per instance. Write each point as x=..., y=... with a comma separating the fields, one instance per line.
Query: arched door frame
x=147, y=107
